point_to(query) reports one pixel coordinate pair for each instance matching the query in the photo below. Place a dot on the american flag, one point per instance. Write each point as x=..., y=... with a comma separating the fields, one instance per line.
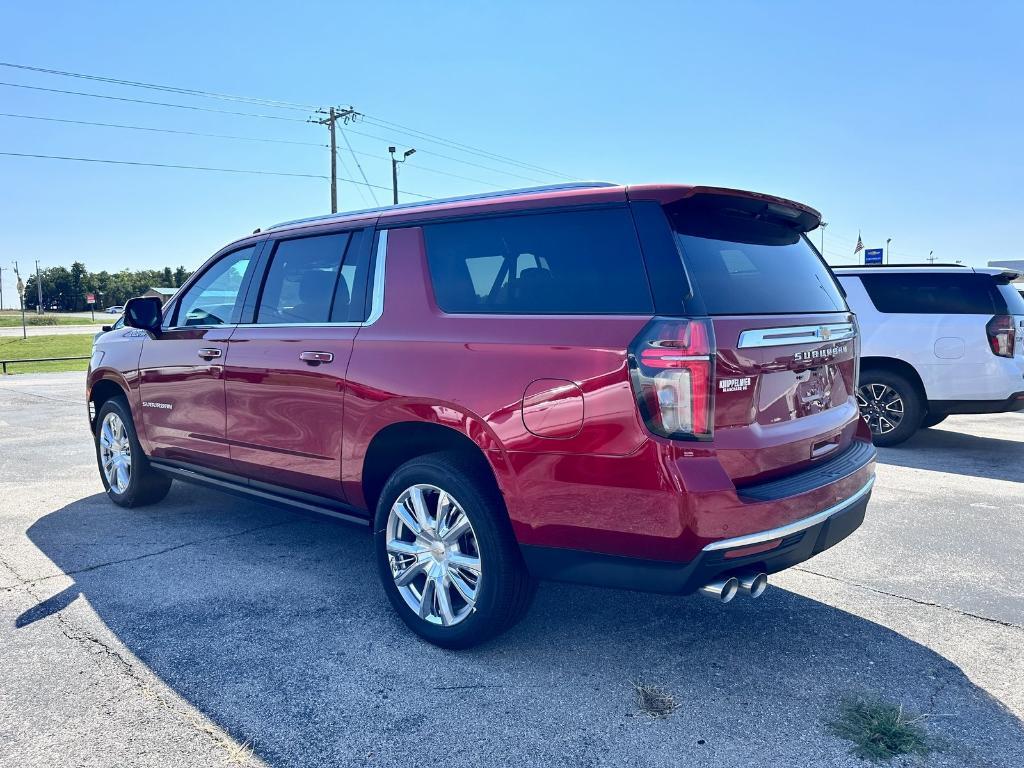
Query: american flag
x=860, y=245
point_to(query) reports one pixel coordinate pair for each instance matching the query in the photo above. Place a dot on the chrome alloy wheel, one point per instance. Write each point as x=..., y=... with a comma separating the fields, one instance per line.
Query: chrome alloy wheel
x=434, y=556
x=881, y=406
x=115, y=453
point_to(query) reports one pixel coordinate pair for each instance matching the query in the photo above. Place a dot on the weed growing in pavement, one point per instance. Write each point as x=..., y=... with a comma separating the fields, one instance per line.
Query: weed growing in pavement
x=654, y=701
x=878, y=730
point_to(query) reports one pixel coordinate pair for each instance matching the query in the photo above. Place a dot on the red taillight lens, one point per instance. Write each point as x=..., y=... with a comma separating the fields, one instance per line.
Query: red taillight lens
x=1001, y=335
x=672, y=369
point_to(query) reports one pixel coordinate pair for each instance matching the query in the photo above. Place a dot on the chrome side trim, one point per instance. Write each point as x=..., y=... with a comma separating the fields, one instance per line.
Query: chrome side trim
x=377, y=299
x=796, y=334
x=795, y=527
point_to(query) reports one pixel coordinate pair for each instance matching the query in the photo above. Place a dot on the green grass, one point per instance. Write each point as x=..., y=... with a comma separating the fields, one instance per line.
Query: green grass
x=58, y=345
x=13, y=319
x=879, y=730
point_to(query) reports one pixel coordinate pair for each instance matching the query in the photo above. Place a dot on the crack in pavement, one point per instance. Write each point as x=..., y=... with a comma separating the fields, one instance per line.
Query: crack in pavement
x=968, y=614
x=183, y=545
x=92, y=644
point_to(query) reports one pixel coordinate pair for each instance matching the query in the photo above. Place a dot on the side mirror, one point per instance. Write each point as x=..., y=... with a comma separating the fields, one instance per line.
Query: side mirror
x=145, y=312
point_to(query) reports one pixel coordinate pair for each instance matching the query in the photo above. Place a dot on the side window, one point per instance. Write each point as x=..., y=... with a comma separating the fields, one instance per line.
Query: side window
x=215, y=297
x=316, y=279
x=575, y=262
x=944, y=294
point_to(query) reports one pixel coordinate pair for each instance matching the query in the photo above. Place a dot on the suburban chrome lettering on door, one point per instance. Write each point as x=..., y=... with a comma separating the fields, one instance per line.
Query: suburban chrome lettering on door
x=151, y=404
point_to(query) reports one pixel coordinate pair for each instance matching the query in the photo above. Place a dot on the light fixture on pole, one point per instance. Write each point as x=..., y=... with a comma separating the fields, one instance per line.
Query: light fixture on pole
x=394, y=170
x=887, y=241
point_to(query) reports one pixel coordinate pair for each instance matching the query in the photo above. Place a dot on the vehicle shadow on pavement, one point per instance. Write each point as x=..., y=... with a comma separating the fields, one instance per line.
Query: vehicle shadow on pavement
x=273, y=625
x=961, y=453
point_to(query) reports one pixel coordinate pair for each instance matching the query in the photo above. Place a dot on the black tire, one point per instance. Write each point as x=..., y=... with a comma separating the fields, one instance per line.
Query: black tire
x=880, y=393
x=145, y=485
x=932, y=419
x=505, y=587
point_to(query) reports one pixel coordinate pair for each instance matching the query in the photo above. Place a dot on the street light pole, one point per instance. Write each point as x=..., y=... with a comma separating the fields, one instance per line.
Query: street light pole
x=823, y=225
x=394, y=170
x=887, y=241
x=2, y=288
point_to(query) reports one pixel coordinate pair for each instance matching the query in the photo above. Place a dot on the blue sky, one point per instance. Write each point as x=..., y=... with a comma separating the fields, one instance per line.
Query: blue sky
x=900, y=120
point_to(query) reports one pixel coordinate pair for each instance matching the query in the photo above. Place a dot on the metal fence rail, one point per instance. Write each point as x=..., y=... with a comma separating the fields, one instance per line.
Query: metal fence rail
x=5, y=363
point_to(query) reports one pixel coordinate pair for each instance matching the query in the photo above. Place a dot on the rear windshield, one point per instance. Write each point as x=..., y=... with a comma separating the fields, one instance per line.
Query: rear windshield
x=742, y=272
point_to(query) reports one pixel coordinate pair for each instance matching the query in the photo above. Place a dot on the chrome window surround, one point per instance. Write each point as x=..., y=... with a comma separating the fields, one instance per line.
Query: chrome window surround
x=794, y=527
x=376, y=300
x=797, y=334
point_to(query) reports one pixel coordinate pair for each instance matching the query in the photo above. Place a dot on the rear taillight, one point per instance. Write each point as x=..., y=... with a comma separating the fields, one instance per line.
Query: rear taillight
x=672, y=368
x=1001, y=335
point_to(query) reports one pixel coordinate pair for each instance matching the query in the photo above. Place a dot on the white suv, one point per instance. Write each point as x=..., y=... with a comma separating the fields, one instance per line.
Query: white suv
x=936, y=340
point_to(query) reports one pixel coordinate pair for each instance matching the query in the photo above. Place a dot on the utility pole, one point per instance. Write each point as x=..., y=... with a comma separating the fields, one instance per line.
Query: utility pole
x=333, y=115
x=394, y=170
x=39, y=291
x=21, y=299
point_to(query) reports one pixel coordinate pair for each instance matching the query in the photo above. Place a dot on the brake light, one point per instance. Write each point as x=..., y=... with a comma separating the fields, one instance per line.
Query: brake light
x=672, y=369
x=1001, y=335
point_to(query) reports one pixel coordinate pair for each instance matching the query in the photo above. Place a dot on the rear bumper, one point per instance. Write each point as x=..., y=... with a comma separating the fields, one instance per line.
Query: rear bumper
x=769, y=551
x=1014, y=402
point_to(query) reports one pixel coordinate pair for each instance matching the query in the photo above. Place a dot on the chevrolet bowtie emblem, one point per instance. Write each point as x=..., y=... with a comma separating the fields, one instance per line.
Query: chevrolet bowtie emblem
x=825, y=333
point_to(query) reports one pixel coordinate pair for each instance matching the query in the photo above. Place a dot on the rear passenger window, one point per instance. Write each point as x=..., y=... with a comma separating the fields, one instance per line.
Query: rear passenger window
x=940, y=294
x=316, y=279
x=578, y=262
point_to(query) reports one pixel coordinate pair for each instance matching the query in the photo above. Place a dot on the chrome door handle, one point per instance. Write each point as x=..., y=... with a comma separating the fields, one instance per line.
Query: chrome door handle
x=315, y=358
x=208, y=353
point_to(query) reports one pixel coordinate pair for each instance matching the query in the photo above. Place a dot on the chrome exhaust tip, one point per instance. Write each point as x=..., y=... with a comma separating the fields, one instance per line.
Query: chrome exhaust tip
x=753, y=584
x=722, y=590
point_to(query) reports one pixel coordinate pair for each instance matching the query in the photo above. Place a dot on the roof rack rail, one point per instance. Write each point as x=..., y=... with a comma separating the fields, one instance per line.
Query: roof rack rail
x=459, y=199
x=885, y=266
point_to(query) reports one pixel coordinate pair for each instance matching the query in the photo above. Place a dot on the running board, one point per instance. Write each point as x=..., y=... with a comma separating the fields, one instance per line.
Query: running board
x=242, y=487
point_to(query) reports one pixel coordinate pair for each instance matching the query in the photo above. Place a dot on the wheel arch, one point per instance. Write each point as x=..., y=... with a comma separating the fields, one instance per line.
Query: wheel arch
x=896, y=365
x=103, y=389
x=401, y=441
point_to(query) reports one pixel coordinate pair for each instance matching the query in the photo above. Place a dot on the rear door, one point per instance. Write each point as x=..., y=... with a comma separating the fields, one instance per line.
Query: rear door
x=286, y=366
x=785, y=367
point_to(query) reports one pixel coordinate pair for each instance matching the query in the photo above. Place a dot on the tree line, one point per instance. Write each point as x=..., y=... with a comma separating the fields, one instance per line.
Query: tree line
x=64, y=289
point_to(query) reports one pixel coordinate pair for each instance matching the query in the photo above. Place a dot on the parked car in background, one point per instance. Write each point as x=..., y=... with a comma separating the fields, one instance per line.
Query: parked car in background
x=117, y=309
x=647, y=387
x=936, y=340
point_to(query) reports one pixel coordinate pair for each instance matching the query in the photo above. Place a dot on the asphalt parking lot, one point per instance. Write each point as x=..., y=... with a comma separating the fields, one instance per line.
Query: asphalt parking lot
x=210, y=630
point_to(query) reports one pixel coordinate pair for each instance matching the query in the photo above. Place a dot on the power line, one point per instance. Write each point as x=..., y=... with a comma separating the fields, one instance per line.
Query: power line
x=449, y=157
x=168, y=88
x=195, y=168
x=151, y=129
x=162, y=130
x=360, y=167
x=154, y=103
x=463, y=147
x=277, y=104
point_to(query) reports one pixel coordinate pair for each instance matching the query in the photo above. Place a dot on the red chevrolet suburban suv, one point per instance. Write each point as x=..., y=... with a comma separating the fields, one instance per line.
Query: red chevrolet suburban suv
x=648, y=387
